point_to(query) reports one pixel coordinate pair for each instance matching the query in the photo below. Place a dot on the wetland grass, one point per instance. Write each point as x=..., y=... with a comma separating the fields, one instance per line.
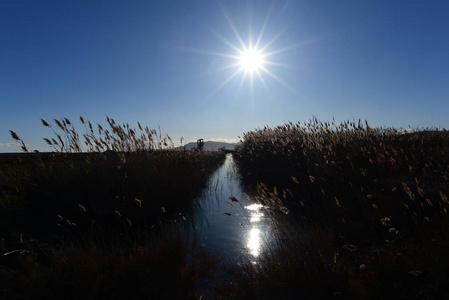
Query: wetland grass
x=369, y=209
x=96, y=217
x=366, y=207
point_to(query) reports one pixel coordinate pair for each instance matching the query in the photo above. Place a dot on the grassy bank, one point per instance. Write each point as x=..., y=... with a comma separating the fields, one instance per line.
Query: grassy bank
x=368, y=209
x=169, y=266
x=96, y=216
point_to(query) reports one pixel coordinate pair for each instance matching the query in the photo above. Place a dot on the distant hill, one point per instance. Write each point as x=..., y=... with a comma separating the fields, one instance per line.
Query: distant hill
x=209, y=145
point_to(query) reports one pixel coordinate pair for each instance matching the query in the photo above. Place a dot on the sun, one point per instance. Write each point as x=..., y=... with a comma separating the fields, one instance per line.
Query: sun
x=251, y=60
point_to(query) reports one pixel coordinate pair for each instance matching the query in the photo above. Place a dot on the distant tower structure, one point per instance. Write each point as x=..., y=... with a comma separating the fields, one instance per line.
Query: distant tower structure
x=200, y=144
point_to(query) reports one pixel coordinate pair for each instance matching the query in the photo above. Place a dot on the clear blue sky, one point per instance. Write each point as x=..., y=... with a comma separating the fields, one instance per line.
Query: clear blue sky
x=163, y=63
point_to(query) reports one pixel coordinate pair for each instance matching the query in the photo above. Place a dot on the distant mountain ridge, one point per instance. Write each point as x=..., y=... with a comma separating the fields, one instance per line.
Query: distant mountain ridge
x=210, y=145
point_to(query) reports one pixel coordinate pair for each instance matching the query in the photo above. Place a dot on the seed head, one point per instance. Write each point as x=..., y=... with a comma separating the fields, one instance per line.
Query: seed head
x=82, y=208
x=14, y=135
x=233, y=199
x=59, y=124
x=45, y=123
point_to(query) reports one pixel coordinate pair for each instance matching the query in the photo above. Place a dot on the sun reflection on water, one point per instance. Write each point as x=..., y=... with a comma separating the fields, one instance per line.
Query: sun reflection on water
x=254, y=237
x=254, y=242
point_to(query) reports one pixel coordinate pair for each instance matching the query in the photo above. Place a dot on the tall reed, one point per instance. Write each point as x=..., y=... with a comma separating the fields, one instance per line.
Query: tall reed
x=367, y=201
x=99, y=216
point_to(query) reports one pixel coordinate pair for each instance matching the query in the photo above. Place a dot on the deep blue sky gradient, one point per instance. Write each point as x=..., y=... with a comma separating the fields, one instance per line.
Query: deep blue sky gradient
x=153, y=62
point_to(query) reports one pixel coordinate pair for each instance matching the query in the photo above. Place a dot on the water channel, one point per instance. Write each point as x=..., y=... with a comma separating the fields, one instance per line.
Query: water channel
x=228, y=220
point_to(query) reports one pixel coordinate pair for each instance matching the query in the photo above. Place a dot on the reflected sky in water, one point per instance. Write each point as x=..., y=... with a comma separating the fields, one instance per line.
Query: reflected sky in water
x=231, y=227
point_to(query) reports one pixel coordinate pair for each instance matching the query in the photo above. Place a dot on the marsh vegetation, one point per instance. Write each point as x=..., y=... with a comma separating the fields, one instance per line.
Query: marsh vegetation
x=354, y=212
x=102, y=215
x=367, y=206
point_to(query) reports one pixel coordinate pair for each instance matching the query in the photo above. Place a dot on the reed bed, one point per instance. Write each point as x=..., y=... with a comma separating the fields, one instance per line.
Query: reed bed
x=368, y=209
x=115, y=192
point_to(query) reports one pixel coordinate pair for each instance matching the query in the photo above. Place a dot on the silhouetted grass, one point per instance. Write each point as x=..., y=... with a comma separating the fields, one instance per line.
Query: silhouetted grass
x=96, y=218
x=167, y=267
x=369, y=207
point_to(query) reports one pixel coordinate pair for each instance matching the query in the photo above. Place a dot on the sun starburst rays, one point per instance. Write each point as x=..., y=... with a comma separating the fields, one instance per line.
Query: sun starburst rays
x=250, y=60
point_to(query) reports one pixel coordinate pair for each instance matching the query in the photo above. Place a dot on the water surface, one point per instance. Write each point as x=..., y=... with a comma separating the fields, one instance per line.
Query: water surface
x=230, y=223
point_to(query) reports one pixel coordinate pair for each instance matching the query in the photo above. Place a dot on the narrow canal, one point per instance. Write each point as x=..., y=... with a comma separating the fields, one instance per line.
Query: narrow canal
x=228, y=220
